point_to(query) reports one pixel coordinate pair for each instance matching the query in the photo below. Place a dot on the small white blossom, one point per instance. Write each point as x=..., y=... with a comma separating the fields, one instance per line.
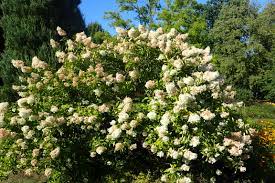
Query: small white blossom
x=48, y=172
x=150, y=84
x=70, y=110
x=54, y=109
x=224, y=114
x=164, y=178
x=171, y=88
x=152, y=115
x=185, y=167
x=119, y=146
x=60, y=31
x=185, y=98
x=35, y=152
x=133, y=146
x=184, y=180
x=212, y=160
x=55, y=153
x=184, y=129
x=165, y=139
x=190, y=155
x=178, y=64
x=242, y=169
x=121, y=31
x=188, y=81
x=235, y=151
x=116, y=133
x=53, y=43
x=3, y=107
x=28, y=172
x=210, y=76
x=38, y=64
x=134, y=74
x=160, y=154
x=120, y=78
x=165, y=119
x=194, y=118
x=30, y=100
x=93, y=154
x=101, y=149
x=207, y=115
x=123, y=116
x=133, y=123
x=195, y=141
x=218, y=172
x=24, y=113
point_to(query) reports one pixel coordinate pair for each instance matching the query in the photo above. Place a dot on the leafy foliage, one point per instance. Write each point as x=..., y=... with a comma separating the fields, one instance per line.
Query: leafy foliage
x=263, y=40
x=243, y=55
x=145, y=13
x=186, y=17
x=213, y=8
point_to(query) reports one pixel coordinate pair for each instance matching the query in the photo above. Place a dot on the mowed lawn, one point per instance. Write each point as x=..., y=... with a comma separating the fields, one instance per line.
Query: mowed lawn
x=263, y=116
x=260, y=114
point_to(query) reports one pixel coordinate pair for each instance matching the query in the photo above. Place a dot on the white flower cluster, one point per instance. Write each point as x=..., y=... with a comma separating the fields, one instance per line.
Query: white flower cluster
x=146, y=90
x=3, y=110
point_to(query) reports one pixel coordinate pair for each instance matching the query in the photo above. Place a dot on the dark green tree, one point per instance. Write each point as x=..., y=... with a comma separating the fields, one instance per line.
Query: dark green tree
x=2, y=43
x=97, y=33
x=66, y=14
x=28, y=26
x=263, y=39
x=212, y=10
x=187, y=17
x=94, y=27
x=238, y=53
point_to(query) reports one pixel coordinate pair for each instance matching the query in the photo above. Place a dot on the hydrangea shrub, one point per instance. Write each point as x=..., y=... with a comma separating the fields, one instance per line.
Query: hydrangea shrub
x=145, y=94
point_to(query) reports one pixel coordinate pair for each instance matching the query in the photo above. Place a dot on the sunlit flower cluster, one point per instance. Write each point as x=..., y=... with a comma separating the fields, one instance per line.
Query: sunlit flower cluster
x=145, y=90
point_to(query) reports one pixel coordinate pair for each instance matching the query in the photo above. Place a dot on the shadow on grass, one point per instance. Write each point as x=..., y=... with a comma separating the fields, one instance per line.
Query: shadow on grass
x=21, y=178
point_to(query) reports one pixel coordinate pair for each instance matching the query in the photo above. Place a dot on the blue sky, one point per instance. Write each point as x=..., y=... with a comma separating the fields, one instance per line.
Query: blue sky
x=93, y=10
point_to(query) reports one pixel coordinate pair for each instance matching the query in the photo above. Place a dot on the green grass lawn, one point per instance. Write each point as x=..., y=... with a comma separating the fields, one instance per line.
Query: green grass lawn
x=262, y=116
x=260, y=112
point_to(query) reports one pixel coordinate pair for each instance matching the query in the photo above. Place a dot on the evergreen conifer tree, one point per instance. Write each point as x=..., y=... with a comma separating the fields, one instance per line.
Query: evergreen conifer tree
x=2, y=43
x=28, y=26
x=97, y=33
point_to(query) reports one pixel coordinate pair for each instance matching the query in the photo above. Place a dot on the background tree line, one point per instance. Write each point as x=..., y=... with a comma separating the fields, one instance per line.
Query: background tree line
x=240, y=34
